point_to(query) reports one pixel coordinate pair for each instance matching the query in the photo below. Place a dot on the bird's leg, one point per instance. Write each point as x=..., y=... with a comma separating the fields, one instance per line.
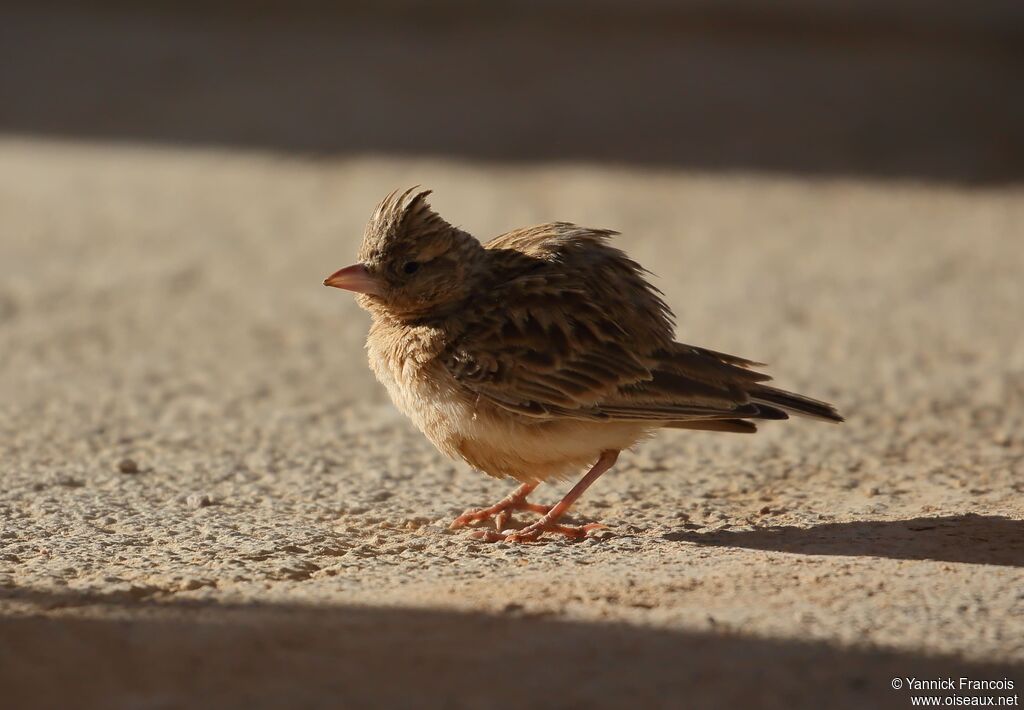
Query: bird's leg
x=549, y=523
x=501, y=511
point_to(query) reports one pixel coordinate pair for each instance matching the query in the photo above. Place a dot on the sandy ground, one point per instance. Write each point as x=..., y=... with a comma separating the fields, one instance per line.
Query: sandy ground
x=280, y=537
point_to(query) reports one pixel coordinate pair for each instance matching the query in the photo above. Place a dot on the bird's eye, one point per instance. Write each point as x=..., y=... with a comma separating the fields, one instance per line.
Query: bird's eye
x=411, y=267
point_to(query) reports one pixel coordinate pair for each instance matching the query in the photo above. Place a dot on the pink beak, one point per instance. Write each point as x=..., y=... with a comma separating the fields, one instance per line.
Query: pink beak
x=354, y=278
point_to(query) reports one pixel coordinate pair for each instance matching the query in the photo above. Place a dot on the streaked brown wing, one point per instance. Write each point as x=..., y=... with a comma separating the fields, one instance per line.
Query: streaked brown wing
x=552, y=353
x=600, y=382
x=565, y=357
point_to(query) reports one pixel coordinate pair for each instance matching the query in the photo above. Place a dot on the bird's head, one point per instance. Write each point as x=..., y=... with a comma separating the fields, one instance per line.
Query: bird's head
x=412, y=263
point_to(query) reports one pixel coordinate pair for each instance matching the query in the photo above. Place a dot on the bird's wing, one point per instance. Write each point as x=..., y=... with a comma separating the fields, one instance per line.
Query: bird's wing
x=590, y=339
x=552, y=366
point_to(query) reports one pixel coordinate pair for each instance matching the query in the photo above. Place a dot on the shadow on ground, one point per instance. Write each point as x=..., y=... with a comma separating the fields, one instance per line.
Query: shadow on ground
x=895, y=90
x=111, y=651
x=974, y=539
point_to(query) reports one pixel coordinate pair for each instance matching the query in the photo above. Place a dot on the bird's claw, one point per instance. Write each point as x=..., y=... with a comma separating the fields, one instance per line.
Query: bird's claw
x=501, y=512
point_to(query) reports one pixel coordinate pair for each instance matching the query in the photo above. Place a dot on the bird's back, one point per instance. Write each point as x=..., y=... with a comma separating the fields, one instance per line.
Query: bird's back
x=580, y=280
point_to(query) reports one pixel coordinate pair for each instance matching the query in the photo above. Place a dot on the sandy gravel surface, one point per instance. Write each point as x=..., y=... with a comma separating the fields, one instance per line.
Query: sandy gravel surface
x=205, y=499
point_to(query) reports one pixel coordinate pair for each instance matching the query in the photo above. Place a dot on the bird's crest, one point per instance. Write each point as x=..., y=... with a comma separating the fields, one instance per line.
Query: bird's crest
x=402, y=220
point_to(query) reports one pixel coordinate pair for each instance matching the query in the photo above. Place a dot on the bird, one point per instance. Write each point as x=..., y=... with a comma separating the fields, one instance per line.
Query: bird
x=538, y=354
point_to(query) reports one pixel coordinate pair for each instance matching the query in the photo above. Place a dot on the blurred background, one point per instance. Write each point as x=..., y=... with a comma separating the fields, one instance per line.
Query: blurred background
x=903, y=88
x=194, y=454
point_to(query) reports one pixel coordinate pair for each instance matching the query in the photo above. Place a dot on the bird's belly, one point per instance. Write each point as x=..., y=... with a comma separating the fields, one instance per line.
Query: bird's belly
x=498, y=442
x=506, y=445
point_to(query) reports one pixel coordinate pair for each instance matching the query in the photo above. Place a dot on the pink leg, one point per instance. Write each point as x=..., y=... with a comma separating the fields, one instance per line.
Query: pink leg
x=549, y=523
x=500, y=511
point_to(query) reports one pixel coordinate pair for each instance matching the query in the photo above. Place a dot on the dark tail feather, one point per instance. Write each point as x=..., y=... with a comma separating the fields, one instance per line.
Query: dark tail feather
x=766, y=412
x=796, y=403
x=737, y=426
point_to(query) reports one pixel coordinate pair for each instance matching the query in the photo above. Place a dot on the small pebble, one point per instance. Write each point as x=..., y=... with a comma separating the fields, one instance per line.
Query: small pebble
x=197, y=500
x=127, y=466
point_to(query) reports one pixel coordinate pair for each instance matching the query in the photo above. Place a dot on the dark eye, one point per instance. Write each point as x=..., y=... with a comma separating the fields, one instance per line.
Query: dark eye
x=411, y=267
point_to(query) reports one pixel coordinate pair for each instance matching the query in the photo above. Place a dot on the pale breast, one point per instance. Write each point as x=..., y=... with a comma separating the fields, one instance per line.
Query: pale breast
x=404, y=361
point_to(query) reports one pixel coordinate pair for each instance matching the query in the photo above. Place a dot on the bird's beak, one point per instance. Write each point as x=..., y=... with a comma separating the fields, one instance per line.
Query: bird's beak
x=354, y=278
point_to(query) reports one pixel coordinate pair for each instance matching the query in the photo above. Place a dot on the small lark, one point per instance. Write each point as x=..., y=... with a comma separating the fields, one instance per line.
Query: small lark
x=538, y=353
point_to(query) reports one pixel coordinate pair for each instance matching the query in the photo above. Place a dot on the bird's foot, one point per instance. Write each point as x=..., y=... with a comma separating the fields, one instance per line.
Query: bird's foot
x=548, y=523
x=532, y=533
x=502, y=510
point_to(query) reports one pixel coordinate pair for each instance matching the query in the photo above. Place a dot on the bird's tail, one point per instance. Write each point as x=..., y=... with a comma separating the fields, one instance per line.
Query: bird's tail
x=795, y=403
